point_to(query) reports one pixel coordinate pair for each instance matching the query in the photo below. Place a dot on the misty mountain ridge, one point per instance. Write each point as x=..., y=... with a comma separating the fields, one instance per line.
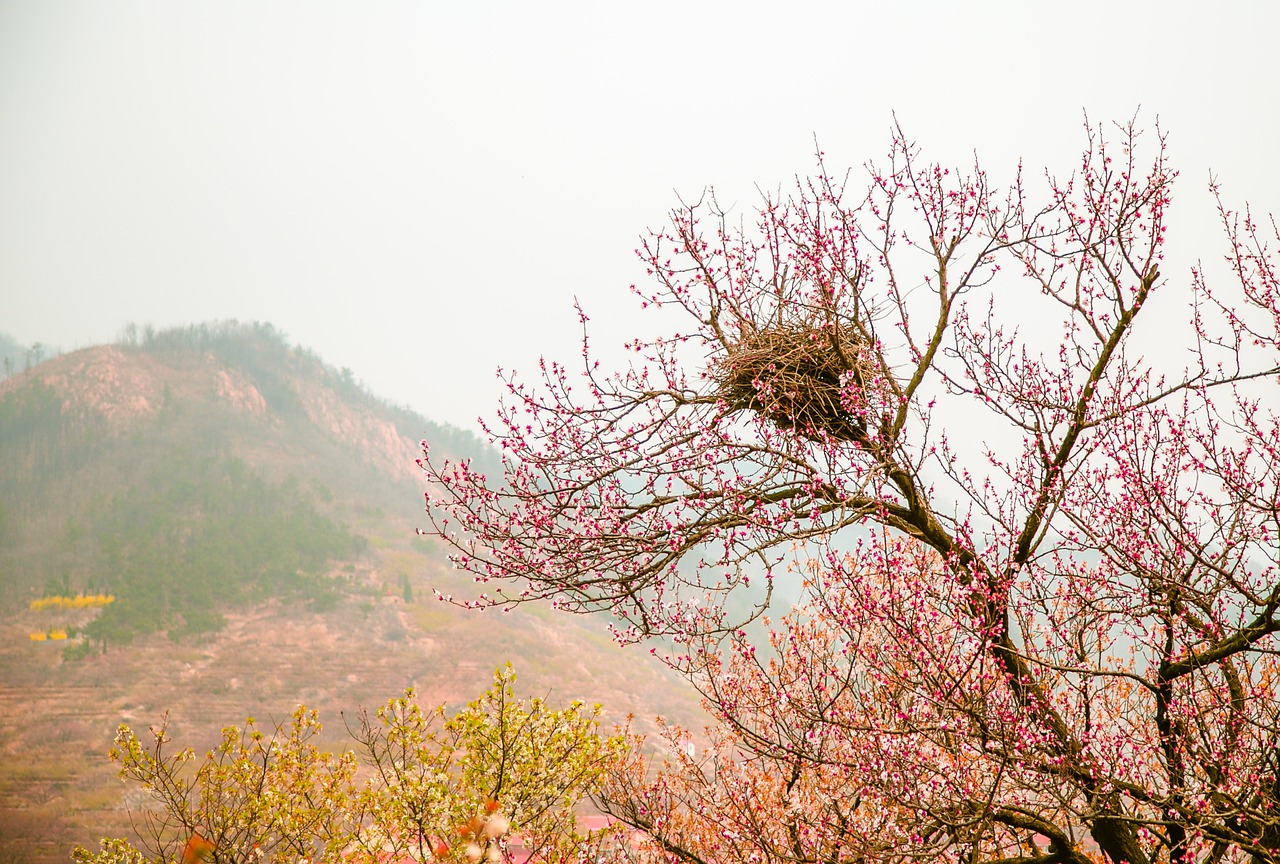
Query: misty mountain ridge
x=87, y=427
x=250, y=367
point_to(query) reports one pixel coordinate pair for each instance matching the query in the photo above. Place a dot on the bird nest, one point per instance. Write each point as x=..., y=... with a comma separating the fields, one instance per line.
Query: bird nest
x=811, y=380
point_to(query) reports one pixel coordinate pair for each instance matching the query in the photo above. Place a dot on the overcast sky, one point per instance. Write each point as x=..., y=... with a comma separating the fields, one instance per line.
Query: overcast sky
x=418, y=190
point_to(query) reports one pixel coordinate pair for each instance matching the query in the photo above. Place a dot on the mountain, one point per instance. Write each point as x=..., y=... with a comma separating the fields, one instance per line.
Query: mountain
x=209, y=523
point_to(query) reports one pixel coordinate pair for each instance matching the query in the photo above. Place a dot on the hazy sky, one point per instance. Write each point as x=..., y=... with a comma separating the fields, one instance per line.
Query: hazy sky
x=418, y=190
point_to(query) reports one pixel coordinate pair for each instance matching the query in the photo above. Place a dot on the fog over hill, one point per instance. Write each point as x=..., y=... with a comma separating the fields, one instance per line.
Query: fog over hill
x=250, y=511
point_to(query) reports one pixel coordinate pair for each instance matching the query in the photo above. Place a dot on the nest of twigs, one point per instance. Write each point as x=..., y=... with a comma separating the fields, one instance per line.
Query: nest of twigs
x=811, y=380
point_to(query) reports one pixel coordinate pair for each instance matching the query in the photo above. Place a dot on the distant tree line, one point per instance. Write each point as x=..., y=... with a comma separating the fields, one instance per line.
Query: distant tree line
x=256, y=348
x=16, y=357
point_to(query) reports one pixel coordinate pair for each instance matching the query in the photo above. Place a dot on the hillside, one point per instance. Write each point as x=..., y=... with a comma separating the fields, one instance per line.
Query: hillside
x=243, y=515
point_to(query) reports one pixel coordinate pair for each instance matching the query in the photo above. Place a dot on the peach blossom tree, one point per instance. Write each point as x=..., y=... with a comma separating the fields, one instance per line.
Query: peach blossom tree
x=1031, y=482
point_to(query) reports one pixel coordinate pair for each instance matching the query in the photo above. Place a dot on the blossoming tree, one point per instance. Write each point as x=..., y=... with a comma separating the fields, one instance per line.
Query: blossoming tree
x=1037, y=521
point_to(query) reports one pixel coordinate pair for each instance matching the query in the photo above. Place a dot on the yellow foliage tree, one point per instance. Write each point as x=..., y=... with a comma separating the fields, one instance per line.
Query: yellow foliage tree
x=418, y=785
